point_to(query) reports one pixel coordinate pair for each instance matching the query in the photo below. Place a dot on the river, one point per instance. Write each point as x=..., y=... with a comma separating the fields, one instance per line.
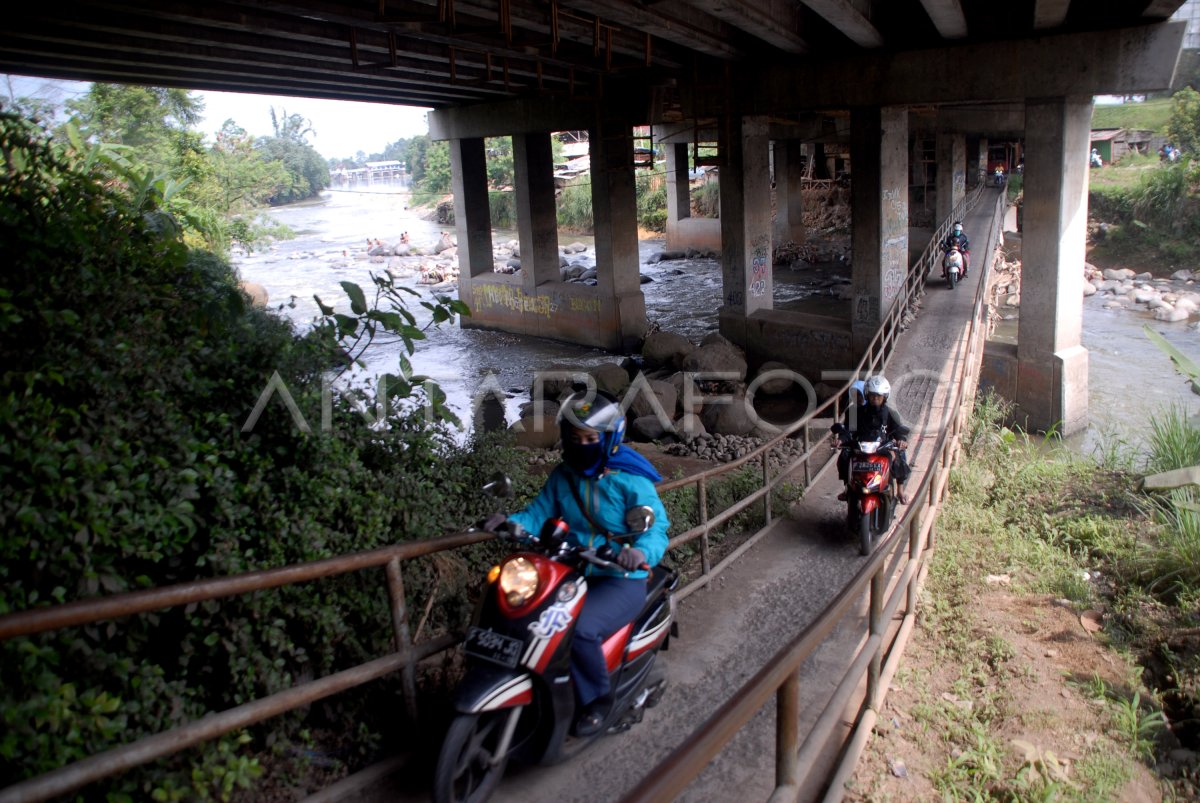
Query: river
x=1129, y=378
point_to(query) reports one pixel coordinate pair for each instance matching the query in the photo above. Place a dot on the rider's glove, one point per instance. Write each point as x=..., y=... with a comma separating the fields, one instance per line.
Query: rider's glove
x=503, y=526
x=631, y=558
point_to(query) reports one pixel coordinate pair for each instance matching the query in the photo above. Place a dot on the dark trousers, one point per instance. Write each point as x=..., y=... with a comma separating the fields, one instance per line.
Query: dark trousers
x=611, y=603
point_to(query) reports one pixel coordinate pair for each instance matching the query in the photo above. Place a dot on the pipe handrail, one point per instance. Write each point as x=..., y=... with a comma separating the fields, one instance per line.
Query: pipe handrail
x=671, y=777
x=81, y=612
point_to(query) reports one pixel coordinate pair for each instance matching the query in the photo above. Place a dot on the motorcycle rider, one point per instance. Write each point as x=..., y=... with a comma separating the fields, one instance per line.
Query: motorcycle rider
x=959, y=238
x=598, y=480
x=875, y=419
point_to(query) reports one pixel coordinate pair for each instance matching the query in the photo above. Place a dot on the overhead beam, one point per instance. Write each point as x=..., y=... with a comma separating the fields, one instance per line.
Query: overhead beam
x=671, y=20
x=1050, y=14
x=521, y=116
x=774, y=21
x=1161, y=9
x=1123, y=61
x=996, y=122
x=947, y=16
x=842, y=15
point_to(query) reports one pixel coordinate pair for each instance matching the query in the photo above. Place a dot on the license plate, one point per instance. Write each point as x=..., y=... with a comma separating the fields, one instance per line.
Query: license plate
x=864, y=466
x=493, y=646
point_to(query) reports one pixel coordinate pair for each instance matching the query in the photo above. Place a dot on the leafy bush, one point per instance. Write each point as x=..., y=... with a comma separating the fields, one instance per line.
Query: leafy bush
x=706, y=200
x=130, y=364
x=652, y=201
x=575, y=207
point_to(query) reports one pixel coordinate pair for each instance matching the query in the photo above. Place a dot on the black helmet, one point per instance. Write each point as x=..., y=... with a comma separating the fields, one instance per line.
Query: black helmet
x=597, y=411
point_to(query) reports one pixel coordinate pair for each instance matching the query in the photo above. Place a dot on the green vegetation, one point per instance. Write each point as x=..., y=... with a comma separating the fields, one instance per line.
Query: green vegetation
x=132, y=365
x=1153, y=209
x=1050, y=522
x=1151, y=115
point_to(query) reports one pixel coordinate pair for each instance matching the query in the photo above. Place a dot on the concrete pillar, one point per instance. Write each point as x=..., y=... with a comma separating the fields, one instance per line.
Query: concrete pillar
x=879, y=205
x=746, y=216
x=983, y=159
x=679, y=197
x=614, y=209
x=537, y=214
x=472, y=216
x=951, y=173
x=789, y=189
x=820, y=162
x=1052, y=365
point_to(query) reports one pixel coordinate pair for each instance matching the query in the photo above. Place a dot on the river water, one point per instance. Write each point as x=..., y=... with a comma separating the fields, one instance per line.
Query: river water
x=1129, y=378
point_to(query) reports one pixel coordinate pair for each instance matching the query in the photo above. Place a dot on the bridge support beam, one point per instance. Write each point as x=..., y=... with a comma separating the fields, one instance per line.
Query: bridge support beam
x=879, y=205
x=472, y=215
x=1052, y=365
x=789, y=191
x=746, y=217
x=537, y=302
x=537, y=213
x=951, y=155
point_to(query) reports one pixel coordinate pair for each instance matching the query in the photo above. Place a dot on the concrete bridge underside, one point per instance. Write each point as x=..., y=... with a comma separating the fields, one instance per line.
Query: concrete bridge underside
x=759, y=154
x=774, y=85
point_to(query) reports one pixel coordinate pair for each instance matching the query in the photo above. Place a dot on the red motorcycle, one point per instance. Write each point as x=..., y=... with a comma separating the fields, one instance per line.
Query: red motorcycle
x=517, y=700
x=870, y=495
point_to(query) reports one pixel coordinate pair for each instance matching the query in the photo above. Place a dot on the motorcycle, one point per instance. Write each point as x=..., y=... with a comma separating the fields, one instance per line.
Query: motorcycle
x=951, y=268
x=870, y=495
x=517, y=699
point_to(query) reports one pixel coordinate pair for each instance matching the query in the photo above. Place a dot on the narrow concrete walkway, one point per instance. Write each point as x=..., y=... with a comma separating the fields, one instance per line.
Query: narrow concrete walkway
x=729, y=630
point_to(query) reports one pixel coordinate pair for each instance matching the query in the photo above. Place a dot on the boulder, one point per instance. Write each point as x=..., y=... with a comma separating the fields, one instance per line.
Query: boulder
x=1187, y=304
x=1144, y=277
x=256, y=292
x=611, y=378
x=537, y=430
x=717, y=359
x=689, y=427
x=716, y=338
x=647, y=428
x=664, y=393
x=574, y=248
x=1181, y=275
x=685, y=389
x=733, y=418
x=666, y=348
x=1089, y=289
x=556, y=381
x=1119, y=274
x=1171, y=315
x=776, y=385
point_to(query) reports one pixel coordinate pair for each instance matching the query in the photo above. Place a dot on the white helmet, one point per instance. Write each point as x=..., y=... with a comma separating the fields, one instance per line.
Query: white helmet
x=878, y=384
x=957, y=227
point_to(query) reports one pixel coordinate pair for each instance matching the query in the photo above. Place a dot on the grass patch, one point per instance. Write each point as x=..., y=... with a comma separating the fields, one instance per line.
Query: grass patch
x=1150, y=114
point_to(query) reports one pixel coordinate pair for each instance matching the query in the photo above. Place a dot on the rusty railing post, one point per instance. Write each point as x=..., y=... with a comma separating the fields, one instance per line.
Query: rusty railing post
x=408, y=675
x=787, y=731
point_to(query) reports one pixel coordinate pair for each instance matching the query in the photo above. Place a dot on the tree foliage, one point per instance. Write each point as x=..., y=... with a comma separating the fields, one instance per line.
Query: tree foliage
x=130, y=366
x=1184, y=127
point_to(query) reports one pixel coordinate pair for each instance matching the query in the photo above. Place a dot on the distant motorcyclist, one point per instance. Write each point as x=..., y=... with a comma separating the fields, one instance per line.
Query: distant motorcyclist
x=958, y=238
x=875, y=419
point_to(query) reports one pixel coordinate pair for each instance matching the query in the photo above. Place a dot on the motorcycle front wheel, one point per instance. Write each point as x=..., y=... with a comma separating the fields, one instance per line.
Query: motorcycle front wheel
x=864, y=534
x=952, y=278
x=465, y=769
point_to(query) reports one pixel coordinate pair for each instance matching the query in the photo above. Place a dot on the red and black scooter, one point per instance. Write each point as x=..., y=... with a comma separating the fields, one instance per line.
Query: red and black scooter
x=517, y=700
x=870, y=495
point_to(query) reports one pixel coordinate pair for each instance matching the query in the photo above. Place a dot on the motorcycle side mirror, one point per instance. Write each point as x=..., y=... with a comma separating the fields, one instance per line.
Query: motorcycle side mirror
x=500, y=486
x=639, y=519
x=839, y=428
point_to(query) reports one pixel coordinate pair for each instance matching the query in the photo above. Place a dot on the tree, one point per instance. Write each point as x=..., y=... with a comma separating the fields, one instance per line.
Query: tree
x=1184, y=127
x=291, y=127
x=306, y=170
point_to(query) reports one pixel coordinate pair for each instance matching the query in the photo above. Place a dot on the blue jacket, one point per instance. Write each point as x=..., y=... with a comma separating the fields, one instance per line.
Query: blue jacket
x=607, y=497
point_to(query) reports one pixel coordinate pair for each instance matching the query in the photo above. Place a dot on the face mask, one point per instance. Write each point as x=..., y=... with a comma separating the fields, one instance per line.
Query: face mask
x=586, y=459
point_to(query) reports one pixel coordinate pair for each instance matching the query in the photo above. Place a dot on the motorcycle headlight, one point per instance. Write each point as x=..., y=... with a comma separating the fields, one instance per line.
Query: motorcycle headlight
x=518, y=581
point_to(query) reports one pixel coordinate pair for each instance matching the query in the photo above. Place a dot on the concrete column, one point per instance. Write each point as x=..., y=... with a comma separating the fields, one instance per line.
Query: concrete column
x=472, y=216
x=820, y=163
x=746, y=216
x=679, y=197
x=1052, y=365
x=614, y=208
x=951, y=173
x=879, y=205
x=789, y=189
x=537, y=214
x=983, y=159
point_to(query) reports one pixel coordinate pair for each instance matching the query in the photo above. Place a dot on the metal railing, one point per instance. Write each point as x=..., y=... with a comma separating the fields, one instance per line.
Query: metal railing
x=904, y=550
x=407, y=653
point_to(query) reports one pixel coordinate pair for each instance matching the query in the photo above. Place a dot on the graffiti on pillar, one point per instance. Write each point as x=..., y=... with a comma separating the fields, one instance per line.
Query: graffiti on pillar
x=759, y=268
x=735, y=298
x=960, y=185
x=893, y=256
x=866, y=309
x=489, y=296
x=591, y=305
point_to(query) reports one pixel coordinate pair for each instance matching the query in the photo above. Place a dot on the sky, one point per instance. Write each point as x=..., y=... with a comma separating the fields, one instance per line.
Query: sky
x=342, y=127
